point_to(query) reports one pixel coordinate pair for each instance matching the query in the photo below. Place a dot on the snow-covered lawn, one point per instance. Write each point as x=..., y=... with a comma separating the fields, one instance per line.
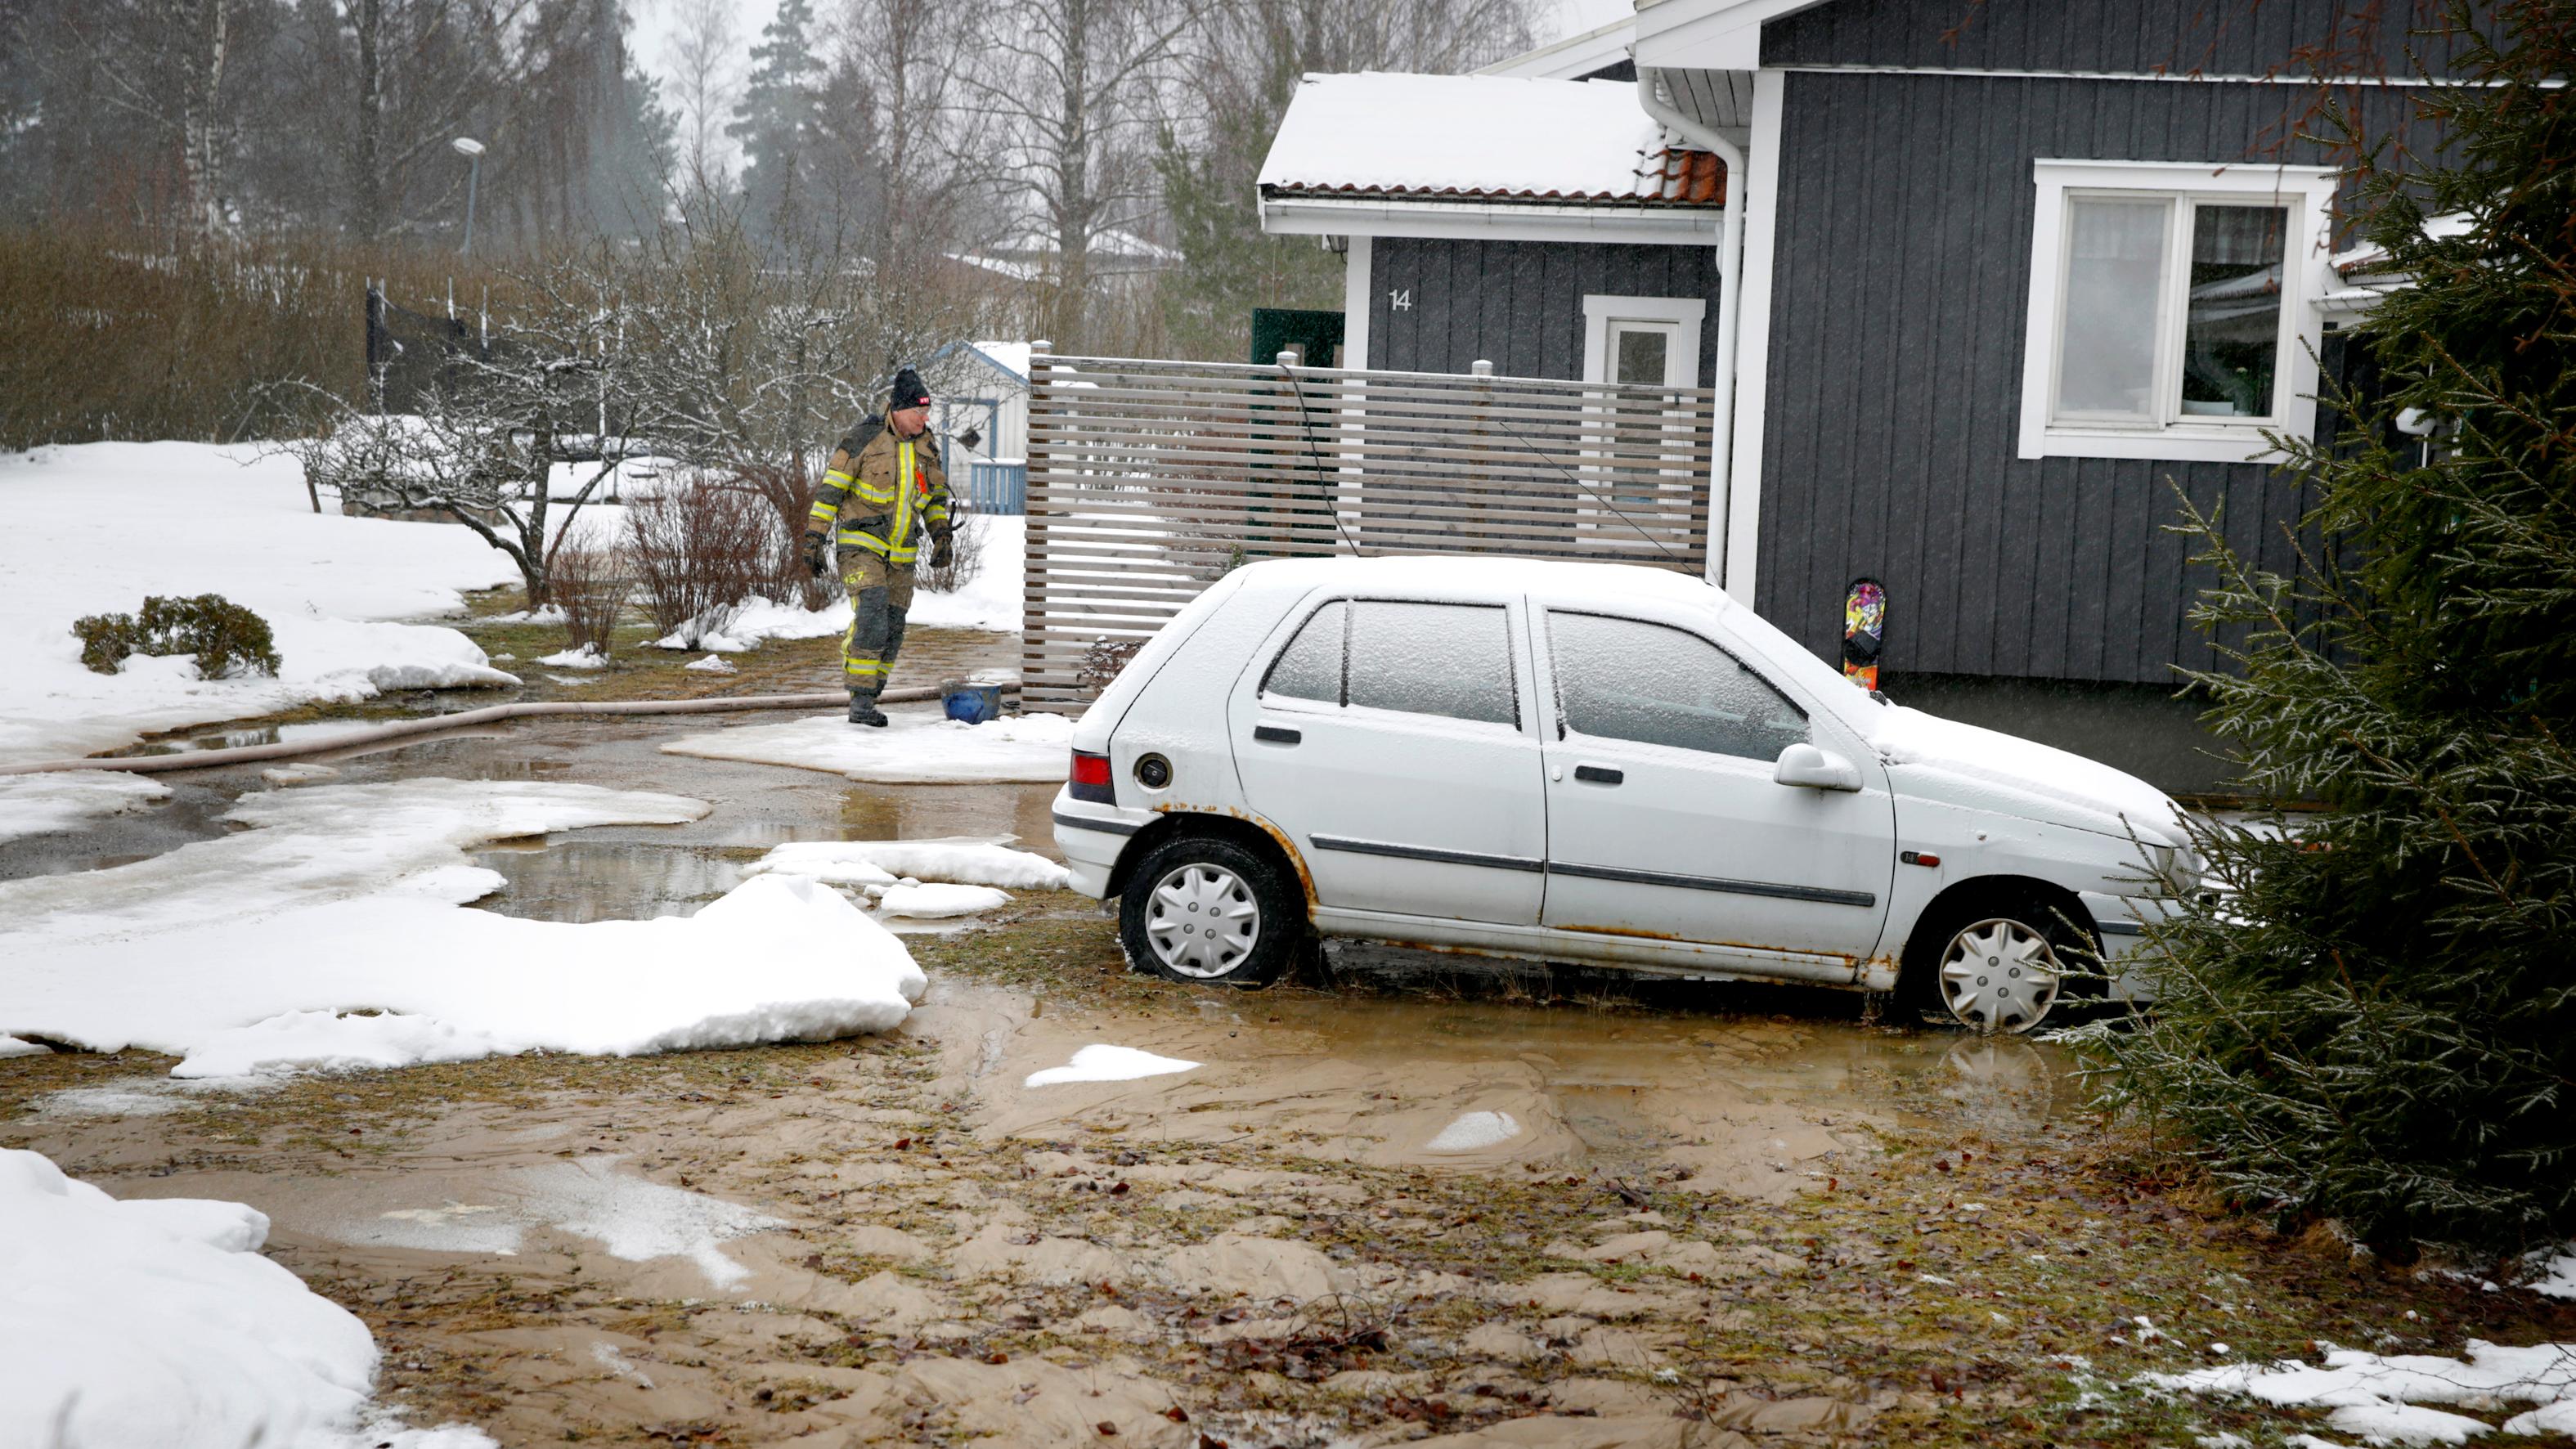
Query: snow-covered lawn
x=332, y=934
x=157, y=1323
x=921, y=747
x=94, y=528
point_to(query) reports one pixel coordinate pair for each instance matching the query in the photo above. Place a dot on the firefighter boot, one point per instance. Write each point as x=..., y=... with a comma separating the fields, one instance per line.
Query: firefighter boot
x=863, y=709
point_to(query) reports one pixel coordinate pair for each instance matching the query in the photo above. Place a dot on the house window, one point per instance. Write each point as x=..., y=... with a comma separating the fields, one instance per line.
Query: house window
x=1650, y=340
x=2172, y=309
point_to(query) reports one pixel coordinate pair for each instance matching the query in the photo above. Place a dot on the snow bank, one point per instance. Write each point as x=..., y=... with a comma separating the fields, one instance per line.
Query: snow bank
x=72, y=549
x=882, y=862
x=2382, y=1399
x=330, y=936
x=156, y=1322
x=2554, y=1272
x=39, y=804
x=936, y=902
x=1100, y=1062
x=735, y=628
x=920, y=747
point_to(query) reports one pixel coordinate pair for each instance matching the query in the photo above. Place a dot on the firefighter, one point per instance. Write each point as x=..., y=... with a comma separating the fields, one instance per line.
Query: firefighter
x=884, y=490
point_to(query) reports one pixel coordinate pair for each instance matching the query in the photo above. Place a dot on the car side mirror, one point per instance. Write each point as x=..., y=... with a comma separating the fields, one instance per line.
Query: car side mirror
x=1804, y=765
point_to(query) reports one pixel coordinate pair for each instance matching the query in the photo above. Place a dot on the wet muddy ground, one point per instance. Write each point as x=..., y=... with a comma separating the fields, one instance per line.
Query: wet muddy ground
x=1395, y=1201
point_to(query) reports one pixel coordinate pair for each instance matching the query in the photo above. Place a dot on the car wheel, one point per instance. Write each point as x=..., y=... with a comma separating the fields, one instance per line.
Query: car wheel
x=1206, y=909
x=1994, y=966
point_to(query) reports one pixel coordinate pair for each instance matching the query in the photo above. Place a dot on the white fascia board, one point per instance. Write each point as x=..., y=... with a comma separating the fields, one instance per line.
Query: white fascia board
x=1707, y=34
x=1488, y=221
x=1355, y=304
x=1743, y=501
x=1574, y=57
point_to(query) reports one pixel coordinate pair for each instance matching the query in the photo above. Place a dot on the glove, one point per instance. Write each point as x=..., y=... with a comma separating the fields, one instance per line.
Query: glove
x=817, y=562
x=941, y=549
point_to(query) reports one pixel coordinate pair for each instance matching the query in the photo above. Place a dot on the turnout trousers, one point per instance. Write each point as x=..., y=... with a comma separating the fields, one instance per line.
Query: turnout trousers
x=880, y=596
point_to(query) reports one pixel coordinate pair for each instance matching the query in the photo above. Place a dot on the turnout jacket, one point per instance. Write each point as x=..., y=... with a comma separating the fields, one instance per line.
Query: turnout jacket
x=882, y=492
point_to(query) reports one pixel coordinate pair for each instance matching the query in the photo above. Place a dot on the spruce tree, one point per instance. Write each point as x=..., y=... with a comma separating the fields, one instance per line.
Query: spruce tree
x=2372, y=1015
x=1229, y=265
x=779, y=122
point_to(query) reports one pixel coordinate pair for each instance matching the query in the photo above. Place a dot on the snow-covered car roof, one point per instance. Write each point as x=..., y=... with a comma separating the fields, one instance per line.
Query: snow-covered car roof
x=1482, y=137
x=1551, y=578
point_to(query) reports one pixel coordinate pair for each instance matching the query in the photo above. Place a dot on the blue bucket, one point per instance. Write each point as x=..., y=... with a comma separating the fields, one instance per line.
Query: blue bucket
x=972, y=703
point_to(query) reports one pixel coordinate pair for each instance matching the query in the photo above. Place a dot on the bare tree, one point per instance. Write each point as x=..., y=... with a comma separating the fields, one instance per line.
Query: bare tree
x=166, y=64
x=702, y=56
x=1077, y=90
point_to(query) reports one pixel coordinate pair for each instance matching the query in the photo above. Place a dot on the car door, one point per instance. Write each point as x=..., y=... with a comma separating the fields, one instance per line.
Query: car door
x=1394, y=740
x=1663, y=816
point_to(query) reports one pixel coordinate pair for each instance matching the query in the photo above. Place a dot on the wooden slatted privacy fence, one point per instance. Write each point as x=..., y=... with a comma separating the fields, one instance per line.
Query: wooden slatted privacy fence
x=1148, y=481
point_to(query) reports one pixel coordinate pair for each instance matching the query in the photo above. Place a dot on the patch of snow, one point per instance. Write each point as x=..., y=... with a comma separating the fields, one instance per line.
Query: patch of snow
x=304, y=773
x=919, y=747
x=733, y=628
x=252, y=537
x=550, y=614
x=2553, y=1272
x=636, y=1219
x=11, y=1046
x=939, y=902
x=42, y=804
x=157, y=1322
x=882, y=862
x=712, y=664
x=1475, y=1130
x=587, y=656
x=992, y=600
x=1476, y=134
x=2382, y=1398
x=258, y=952
x=1102, y=1063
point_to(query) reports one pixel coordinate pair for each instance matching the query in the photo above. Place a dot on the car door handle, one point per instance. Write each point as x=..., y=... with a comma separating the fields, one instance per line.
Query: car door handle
x=1599, y=774
x=1276, y=735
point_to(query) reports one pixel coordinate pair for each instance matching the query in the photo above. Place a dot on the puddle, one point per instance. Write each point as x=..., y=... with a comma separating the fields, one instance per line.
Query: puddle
x=577, y=880
x=234, y=739
x=144, y=1097
x=630, y=1217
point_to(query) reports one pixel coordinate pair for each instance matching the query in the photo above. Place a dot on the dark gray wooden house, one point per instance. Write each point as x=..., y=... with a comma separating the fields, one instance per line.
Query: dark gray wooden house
x=1980, y=285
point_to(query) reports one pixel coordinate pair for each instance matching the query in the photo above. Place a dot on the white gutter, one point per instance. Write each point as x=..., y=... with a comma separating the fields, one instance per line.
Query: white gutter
x=1730, y=304
x=1603, y=221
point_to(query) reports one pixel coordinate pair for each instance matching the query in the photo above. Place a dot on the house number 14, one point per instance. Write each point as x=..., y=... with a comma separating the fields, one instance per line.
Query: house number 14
x=1400, y=300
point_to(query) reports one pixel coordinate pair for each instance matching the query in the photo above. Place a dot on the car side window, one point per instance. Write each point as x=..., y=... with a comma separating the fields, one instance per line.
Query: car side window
x=1453, y=660
x=1626, y=679
x=1311, y=666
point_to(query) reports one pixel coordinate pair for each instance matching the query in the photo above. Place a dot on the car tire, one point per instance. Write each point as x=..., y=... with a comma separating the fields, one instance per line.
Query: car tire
x=1999, y=962
x=1209, y=911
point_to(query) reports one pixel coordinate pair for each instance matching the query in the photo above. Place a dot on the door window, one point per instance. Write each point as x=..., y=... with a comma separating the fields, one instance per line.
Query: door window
x=1625, y=679
x=1452, y=660
x=1311, y=666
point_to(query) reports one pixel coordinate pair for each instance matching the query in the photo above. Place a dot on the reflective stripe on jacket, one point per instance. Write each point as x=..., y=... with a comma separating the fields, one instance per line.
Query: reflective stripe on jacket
x=883, y=492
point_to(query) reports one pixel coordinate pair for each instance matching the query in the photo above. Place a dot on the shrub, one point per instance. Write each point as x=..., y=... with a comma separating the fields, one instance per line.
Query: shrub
x=225, y=637
x=701, y=547
x=591, y=588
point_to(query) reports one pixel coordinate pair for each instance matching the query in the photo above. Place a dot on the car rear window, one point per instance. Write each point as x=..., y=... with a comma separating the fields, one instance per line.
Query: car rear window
x=1311, y=666
x=1626, y=679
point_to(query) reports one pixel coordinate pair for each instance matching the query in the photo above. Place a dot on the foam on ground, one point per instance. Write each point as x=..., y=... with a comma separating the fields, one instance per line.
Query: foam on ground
x=1100, y=1062
x=920, y=747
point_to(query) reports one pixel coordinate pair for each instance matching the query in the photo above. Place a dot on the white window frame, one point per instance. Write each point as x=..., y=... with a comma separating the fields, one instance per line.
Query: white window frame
x=1682, y=314
x=2173, y=436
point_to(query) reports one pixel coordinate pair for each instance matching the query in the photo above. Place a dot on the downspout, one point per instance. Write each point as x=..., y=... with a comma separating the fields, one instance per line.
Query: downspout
x=1730, y=287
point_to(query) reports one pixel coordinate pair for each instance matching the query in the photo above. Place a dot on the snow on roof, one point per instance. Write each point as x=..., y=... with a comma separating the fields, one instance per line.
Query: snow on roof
x=1482, y=136
x=1010, y=357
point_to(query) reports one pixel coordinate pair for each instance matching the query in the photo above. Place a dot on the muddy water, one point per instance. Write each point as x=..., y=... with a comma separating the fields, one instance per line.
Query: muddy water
x=1536, y=1206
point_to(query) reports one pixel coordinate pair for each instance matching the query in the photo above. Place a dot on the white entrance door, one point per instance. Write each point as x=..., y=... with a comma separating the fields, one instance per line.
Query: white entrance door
x=1663, y=817
x=1392, y=741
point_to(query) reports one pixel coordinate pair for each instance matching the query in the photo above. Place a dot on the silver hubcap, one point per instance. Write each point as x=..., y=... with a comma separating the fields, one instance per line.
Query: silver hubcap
x=1202, y=921
x=1999, y=975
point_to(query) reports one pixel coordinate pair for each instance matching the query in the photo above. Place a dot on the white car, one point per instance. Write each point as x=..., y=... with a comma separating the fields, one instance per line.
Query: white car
x=1587, y=763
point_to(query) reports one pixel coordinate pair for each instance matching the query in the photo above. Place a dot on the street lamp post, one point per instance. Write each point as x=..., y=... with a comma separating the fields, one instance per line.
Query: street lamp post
x=472, y=151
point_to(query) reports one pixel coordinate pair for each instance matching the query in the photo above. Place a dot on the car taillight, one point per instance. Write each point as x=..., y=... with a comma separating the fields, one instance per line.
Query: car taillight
x=1090, y=778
